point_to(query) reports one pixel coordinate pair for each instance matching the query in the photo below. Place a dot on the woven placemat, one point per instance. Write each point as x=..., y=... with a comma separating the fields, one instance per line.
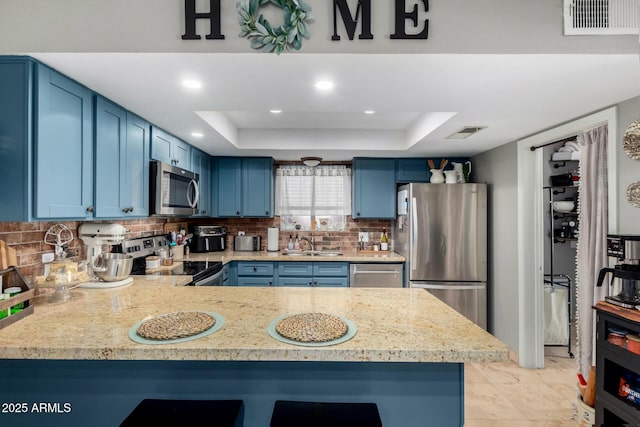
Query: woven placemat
x=176, y=325
x=312, y=327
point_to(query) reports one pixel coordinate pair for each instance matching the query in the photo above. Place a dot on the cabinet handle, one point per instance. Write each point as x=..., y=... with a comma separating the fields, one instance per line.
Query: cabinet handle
x=310, y=282
x=237, y=212
x=90, y=208
x=125, y=210
x=270, y=283
x=204, y=212
x=255, y=269
x=267, y=213
x=358, y=214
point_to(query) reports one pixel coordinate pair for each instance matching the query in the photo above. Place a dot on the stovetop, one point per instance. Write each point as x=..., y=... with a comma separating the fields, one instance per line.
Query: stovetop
x=197, y=269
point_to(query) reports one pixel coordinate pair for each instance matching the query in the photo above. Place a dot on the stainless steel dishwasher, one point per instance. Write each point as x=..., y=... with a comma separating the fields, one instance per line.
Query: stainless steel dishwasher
x=380, y=275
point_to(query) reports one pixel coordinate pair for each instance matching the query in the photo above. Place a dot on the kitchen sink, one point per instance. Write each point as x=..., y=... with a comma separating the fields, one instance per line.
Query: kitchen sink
x=311, y=253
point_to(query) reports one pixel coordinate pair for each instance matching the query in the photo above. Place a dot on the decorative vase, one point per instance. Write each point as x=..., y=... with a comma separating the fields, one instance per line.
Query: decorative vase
x=451, y=177
x=437, y=176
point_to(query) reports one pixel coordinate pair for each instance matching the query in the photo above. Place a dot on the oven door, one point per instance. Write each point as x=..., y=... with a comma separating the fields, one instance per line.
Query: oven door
x=213, y=280
x=174, y=191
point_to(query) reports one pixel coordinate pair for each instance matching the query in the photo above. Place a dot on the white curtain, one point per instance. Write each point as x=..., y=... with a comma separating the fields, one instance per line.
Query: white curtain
x=591, y=254
x=316, y=191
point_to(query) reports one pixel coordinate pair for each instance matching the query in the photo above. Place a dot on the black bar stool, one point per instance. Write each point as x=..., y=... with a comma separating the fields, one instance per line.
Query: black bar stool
x=192, y=413
x=312, y=414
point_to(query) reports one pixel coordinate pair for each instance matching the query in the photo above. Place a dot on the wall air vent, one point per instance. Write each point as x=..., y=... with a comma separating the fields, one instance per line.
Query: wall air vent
x=466, y=132
x=601, y=17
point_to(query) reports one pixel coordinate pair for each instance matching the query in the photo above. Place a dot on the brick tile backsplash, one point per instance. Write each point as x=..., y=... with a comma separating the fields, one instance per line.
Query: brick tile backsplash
x=27, y=238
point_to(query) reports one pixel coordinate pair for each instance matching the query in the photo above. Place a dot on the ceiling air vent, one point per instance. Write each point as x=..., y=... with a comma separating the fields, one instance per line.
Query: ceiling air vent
x=466, y=132
x=601, y=17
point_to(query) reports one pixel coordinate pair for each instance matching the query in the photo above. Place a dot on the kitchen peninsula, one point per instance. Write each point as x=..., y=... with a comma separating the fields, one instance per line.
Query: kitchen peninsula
x=407, y=356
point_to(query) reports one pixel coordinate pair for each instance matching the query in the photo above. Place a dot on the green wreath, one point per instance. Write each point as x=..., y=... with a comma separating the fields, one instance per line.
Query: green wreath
x=263, y=36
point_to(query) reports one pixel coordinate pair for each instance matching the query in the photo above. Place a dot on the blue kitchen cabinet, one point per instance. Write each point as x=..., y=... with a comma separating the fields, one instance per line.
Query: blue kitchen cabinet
x=122, y=162
x=322, y=274
x=257, y=187
x=201, y=164
x=16, y=136
x=374, y=188
x=412, y=170
x=227, y=183
x=243, y=187
x=111, y=140
x=63, y=147
x=258, y=273
x=169, y=149
x=136, y=191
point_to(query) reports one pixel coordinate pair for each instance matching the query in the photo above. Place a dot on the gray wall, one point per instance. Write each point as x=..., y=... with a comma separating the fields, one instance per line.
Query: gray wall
x=628, y=169
x=455, y=26
x=498, y=168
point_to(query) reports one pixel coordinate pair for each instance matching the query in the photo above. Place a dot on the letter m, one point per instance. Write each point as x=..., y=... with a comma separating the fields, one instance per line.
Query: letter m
x=363, y=12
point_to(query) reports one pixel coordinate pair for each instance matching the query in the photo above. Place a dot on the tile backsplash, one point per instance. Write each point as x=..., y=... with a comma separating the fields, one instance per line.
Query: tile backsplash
x=27, y=238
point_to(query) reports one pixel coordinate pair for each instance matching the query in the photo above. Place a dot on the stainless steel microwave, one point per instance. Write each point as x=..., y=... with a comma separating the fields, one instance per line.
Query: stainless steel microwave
x=173, y=190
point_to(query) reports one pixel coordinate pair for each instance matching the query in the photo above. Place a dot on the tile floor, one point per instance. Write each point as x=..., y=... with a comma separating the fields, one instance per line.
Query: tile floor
x=503, y=394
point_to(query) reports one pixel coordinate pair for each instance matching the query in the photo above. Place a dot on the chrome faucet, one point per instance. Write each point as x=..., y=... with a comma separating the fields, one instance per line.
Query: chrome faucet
x=311, y=242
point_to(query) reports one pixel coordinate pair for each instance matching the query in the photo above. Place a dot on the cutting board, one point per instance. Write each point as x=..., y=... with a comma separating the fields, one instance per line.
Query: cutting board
x=175, y=226
x=8, y=256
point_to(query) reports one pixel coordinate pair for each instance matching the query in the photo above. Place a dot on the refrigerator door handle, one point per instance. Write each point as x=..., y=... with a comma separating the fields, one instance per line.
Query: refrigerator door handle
x=414, y=233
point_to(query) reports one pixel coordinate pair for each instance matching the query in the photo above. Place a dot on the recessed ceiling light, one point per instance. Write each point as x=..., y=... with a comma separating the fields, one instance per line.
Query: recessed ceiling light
x=197, y=134
x=275, y=111
x=324, y=85
x=369, y=112
x=192, y=84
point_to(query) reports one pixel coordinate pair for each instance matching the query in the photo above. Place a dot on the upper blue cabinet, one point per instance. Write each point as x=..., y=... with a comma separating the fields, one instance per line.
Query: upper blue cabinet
x=122, y=162
x=201, y=164
x=412, y=170
x=374, y=188
x=243, y=187
x=46, y=143
x=169, y=149
x=63, y=147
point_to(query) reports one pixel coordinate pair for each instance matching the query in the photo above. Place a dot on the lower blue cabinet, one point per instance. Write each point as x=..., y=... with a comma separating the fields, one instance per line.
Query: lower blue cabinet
x=296, y=273
x=313, y=274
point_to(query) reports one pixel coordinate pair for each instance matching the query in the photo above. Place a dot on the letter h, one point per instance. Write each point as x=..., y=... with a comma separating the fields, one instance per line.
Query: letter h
x=191, y=16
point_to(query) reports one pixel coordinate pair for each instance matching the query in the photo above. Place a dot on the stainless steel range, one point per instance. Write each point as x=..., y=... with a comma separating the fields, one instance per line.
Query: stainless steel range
x=204, y=273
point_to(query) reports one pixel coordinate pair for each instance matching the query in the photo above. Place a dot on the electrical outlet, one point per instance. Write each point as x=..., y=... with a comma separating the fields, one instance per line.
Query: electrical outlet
x=363, y=236
x=240, y=233
x=49, y=257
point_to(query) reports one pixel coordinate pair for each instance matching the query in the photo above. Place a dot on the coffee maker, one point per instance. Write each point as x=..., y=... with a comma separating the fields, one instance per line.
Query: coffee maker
x=625, y=282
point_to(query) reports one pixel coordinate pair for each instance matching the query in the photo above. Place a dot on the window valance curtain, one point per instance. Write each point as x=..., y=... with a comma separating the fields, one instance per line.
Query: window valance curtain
x=315, y=191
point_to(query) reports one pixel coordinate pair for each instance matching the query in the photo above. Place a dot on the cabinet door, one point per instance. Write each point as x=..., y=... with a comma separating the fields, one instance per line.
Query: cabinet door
x=335, y=269
x=298, y=269
x=295, y=281
x=258, y=268
x=228, y=187
x=257, y=187
x=181, y=154
x=374, y=188
x=63, y=147
x=333, y=282
x=255, y=281
x=110, y=170
x=201, y=164
x=412, y=170
x=161, y=144
x=136, y=166
x=16, y=139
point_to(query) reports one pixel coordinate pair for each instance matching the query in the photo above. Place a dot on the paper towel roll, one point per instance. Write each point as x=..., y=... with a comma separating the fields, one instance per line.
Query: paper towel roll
x=273, y=236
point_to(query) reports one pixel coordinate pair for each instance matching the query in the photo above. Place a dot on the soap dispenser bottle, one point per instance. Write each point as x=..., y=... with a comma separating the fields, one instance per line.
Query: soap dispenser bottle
x=297, y=244
x=290, y=246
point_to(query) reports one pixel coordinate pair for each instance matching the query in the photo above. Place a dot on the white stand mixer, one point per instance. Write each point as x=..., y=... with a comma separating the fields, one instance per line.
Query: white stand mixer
x=95, y=235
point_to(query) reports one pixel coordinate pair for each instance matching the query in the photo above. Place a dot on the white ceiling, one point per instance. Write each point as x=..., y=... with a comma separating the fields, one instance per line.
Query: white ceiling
x=419, y=99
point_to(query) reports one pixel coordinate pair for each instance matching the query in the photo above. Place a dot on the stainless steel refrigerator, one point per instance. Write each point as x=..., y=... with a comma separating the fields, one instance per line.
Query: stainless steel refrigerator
x=441, y=230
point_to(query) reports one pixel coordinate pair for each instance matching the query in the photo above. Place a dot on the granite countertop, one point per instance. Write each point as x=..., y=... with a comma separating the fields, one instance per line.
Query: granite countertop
x=348, y=256
x=393, y=325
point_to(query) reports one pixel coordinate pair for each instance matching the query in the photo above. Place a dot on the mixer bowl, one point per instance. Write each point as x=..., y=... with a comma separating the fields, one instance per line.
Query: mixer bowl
x=112, y=267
